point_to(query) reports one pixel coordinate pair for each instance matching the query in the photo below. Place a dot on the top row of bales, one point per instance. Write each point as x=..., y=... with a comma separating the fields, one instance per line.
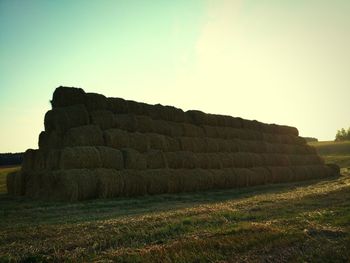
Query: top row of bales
x=66, y=96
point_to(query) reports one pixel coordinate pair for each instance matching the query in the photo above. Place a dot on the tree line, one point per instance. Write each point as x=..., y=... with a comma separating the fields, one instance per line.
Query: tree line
x=343, y=135
x=11, y=159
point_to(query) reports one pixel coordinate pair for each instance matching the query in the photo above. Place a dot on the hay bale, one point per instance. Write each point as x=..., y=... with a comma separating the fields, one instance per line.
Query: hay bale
x=116, y=138
x=110, y=183
x=72, y=185
x=162, y=127
x=196, y=117
x=133, y=159
x=53, y=159
x=212, y=145
x=50, y=140
x=281, y=174
x=235, y=123
x=222, y=179
x=226, y=160
x=190, y=130
x=39, y=160
x=242, y=176
x=271, y=159
x=212, y=120
x=135, y=184
x=62, y=119
x=67, y=96
x=144, y=124
x=156, y=181
x=243, y=160
x=94, y=101
x=103, y=118
x=135, y=107
x=251, y=125
x=15, y=183
x=223, y=145
x=80, y=157
x=334, y=169
x=89, y=135
x=199, y=145
x=172, y=144
x=186, y=144
x=28, y=161
x=177, y=115
x=214, y=161
x=111, y=158
x=203, y=160
x=174, y=160
x=117, y=105
x=127, y=122
x=260, y=175
x=210, y=131
x=155, y=159
x=190, y=160
x=157, y=141
x=139, y=142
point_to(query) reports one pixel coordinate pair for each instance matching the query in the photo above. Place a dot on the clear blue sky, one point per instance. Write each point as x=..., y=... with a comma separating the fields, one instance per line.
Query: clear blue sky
x=275, y=61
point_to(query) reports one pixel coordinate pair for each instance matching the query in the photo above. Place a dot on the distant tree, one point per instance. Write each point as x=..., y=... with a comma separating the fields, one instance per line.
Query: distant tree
x=343, y=135
x=311, y=139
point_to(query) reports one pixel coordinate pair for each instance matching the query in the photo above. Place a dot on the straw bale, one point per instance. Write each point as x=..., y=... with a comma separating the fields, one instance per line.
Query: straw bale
x=135, y=107
x=172, y=144
x=226, y=160
x=186, y=144
x=242, y=176
x=50, y=140
x=334, y=169
x=162, y=127
x=310, y=149
x=234, y=145
x=94, y=101
x=251, y=125
x=116, y=138
x=67, y=96
x=89, y=135
x=53, y=159
x=139, y=142
x=144, y=124
x=61, y=119
x=175, y=180
x=177, y=115
x=80, y=157
x=28, y=160
x=223, y=145
x=127, y=122
x=301, y=173
x=283, y=129
x=197, y=180
x=117, y=105
x=190, y=130
x=133, y=159
x=259, y=176
x=212, y=145
x=300, y=141
x=135, y=183
x=155, y=159
x=305, y=159
x=203, y=160
x=111, y=158
x=222, y=179
x=212, y=120
x=281, y=174
x=33, y=184
x=174, y=160
x=103, y=118
x=157, y=141
x=199, y=144
x=73, y=185
x=197, y=117
x=15, y=183
x=39, y=160
x=257, y=146
x=190, y=160
x=214, y=161
x=157, y=181
x=110, y=183
x=210, y=131
x=275, y=159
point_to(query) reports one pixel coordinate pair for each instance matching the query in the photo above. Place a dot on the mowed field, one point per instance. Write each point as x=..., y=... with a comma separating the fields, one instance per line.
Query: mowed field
x=298, y=222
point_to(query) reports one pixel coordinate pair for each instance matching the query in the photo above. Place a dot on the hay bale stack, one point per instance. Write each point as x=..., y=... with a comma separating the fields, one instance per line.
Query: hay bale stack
x=89, y=135
x=95, y=146
x=62, y=119
x=15, y=182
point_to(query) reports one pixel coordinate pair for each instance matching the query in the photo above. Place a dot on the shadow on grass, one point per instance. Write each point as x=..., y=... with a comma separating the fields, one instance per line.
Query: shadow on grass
x=21, y=211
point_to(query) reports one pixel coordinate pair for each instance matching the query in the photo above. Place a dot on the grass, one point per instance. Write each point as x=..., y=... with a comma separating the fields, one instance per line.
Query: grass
x=303, y=222
x=298, y=222
x=334, y=152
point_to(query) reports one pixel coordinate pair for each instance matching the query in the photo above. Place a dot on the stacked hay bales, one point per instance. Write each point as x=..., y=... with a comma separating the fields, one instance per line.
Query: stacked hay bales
x=98, y=147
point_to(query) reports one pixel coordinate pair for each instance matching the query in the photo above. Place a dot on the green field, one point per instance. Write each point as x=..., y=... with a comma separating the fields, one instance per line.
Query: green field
x=334, y=152
x=298, y=222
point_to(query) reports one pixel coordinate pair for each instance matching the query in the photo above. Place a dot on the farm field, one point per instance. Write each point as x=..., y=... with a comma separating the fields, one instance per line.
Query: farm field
x=299, y=222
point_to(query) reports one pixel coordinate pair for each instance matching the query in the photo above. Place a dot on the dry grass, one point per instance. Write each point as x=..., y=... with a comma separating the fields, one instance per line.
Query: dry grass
x=302, y=222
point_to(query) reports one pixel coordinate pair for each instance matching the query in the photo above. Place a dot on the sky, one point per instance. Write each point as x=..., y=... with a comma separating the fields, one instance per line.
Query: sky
x=284, y=62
